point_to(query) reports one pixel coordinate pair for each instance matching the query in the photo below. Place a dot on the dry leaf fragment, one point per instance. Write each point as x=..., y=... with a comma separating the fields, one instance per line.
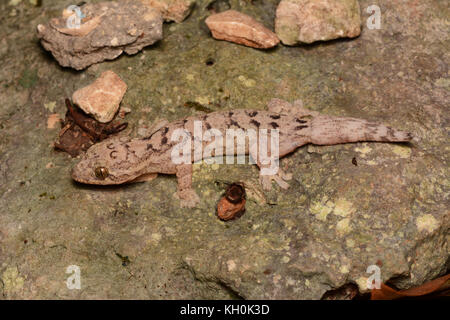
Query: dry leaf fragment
x=434, y=286
x=232, y=204
x=237, y=27
x=80, y=131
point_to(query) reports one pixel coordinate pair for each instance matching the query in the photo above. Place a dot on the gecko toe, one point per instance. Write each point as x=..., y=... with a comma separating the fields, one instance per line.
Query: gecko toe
x=283, y=184
x=266, y=182
x=279, y=178
x=188, y=198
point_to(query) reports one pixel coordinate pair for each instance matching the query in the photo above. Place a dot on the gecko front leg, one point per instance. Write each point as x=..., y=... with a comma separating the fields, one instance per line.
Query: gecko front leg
x=188, y=197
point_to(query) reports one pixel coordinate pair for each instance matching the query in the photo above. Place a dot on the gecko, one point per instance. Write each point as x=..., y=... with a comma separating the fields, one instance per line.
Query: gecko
x=120, y=160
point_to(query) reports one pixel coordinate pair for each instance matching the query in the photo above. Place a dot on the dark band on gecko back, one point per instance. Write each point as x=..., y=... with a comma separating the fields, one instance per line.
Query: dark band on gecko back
x=254, y=122
x=300, y=120
x=274, y=125
x=234, y=123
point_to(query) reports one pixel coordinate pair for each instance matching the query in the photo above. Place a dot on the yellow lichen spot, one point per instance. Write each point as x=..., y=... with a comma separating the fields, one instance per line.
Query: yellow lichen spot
x=362, y=284
x=402, y=151
x=343, y=226
x=11, y=280
x=344, y=269
x=190, y=77
x=156, y=237
x=350, y=243
x=427, y=223
x=364, y=150
x=343, y=208
x=443, y=82
x=285, y=259
x=321, y=210
x=247, y=82
x=202, y=100
x=50, y=106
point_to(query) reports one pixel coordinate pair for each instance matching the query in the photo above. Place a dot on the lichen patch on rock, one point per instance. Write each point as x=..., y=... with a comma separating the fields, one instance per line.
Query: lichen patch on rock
x=427, y=223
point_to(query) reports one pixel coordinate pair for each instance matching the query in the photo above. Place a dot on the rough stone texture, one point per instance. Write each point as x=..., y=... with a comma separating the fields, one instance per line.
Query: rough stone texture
x=109, y=29
x=102, y=97
x=321, y=234
x=307, y=21
x=172, y=10
x=237, y=27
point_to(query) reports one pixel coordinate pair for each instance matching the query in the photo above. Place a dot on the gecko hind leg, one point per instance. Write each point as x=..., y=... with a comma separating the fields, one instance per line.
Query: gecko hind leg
x=280, y=177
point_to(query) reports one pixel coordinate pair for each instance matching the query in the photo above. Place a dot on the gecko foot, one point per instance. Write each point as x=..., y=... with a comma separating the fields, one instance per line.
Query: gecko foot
x=188, y=198
x=280, y=177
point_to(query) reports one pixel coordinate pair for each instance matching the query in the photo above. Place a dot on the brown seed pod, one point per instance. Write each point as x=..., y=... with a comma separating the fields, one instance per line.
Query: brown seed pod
x=232, y=203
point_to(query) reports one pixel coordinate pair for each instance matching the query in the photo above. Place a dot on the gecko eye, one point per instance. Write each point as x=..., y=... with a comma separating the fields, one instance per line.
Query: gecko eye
x=101, y=173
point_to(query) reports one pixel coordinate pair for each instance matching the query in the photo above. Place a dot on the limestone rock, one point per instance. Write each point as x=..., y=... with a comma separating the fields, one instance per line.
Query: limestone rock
x=308, y=21
x=172, y=10
x=237, y=27
x=102, y=97
x=109, y=29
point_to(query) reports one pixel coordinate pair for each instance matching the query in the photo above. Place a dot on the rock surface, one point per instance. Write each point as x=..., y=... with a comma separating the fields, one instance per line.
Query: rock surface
x=334, y=221
x=237, y=27
x=307, y=21
x=109, y=29
x=102, y=97
x=172, y=10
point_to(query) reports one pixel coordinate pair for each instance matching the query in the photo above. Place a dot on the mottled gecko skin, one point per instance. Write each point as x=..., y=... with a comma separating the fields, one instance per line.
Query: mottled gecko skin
x=122, y=159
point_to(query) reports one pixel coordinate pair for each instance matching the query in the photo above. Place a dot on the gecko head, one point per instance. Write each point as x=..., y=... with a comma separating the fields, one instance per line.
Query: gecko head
x=113, y=161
